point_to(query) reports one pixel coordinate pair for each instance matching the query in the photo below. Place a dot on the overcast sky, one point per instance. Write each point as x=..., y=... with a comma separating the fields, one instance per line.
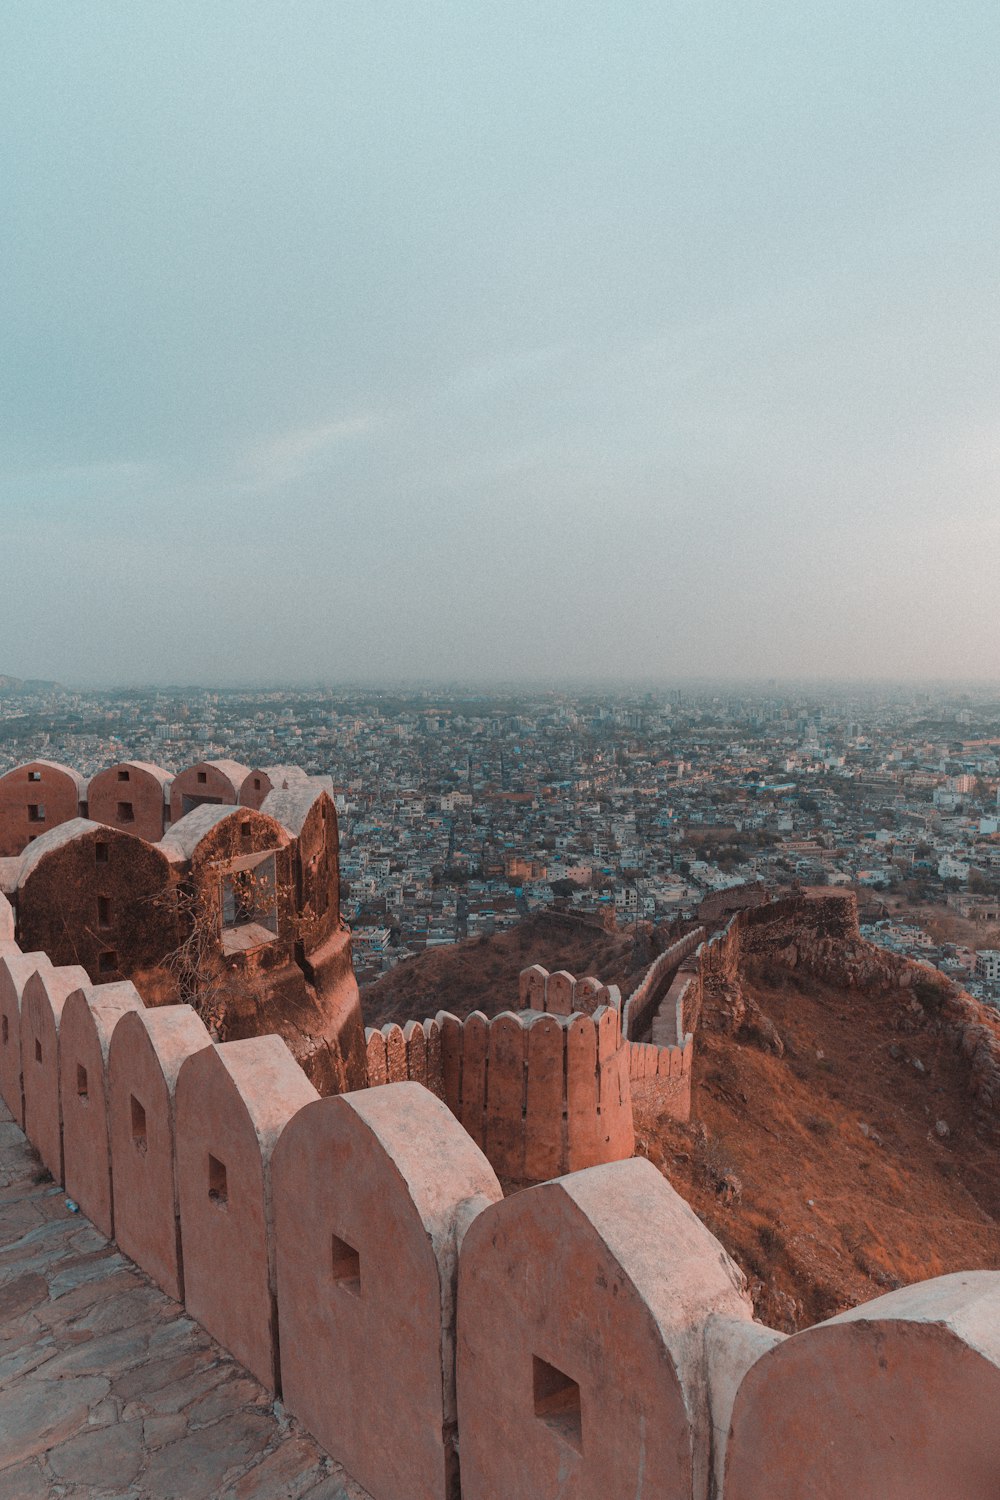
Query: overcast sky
x=401, y=339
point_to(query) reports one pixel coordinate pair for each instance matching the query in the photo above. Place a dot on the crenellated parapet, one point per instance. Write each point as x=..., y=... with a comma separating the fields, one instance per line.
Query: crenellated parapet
x=540, y=1092
x=586, y=1336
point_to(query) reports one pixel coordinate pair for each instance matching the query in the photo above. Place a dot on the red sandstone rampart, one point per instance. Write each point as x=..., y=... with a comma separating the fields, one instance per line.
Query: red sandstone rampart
x=586, y=1337
x=540, y=1093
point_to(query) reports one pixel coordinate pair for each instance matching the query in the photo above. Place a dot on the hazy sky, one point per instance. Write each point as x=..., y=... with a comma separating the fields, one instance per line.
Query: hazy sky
x=499, y=340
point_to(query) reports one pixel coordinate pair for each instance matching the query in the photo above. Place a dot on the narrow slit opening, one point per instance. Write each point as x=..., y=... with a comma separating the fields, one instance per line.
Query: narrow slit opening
x=557, y=1403
x=346, y=1266
x=218, y=1185
x=138, y=1126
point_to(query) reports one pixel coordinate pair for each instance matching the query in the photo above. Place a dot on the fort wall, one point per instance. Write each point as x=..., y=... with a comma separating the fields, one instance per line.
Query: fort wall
x=816, y=932
x=132, y=796
x=587, y=1336
x=35, y=797
x=644, y=1001
x=539, y=1092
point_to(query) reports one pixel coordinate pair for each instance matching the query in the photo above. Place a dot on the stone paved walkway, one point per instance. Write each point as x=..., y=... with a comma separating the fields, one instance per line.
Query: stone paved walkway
x=108, y=1389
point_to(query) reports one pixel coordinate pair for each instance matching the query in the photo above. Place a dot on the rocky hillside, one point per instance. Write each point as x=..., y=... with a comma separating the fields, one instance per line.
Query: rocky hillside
x=844, y=1137
x=843, y=1140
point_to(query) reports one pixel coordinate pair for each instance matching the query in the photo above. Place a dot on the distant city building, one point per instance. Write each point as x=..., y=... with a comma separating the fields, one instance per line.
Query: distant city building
x=988, y=964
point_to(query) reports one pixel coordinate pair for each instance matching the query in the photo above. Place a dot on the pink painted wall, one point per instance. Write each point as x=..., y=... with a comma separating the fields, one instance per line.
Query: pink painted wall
x=233, y=1101
x=147, y=1050
x=45, y=994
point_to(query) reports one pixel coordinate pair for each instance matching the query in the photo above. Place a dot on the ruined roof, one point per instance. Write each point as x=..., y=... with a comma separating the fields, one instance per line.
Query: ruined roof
x=53, y=765
x=291, y=806
x=65, y=833
x=187, y=833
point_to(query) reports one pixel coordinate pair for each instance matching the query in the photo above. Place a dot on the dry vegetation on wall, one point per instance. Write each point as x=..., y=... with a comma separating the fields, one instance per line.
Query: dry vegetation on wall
x=482, y=973
x=853, y=1163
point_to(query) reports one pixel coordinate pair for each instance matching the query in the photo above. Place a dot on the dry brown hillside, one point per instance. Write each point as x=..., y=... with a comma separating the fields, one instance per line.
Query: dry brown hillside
x=852, y=1164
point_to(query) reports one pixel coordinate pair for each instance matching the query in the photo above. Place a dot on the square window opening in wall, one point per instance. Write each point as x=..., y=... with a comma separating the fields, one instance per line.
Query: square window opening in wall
x=101, y=853
x=81, y=1083
x=139, y=1139
x=104, y=911
x=107, y=962
x=125, y=813
x=38, y=1050
x=202, y=778
x=346, y=1266
x=557, y=1403
x=248, y=901
x=34, y=775
x=218, y=1185
x=36, y=812
x=123, y=776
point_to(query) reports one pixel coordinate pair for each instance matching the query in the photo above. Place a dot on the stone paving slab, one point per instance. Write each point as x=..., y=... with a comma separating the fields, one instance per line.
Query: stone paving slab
x=108, y=1389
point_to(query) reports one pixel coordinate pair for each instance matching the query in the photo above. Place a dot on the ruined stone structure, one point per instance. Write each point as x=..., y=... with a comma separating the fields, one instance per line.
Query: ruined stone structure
x=235, y=909
x=89, y=894
x=585, y=1337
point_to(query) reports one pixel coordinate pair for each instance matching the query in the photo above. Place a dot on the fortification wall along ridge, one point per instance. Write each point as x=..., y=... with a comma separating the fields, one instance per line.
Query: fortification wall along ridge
x=547, y=1089
x=587, y=1337
x=645, y=1000
x=816, y=932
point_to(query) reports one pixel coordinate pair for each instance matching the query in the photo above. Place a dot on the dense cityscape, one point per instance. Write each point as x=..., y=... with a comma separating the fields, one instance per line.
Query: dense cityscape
x=462, y=811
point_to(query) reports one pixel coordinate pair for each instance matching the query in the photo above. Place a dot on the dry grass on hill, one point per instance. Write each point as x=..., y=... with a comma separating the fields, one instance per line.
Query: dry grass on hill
x=823, y=1172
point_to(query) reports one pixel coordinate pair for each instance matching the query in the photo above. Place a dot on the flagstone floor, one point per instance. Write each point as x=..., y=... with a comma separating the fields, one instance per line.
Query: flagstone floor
x=108, y=1389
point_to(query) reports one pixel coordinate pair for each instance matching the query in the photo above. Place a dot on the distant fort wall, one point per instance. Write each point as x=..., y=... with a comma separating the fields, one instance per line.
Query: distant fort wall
x=644, y=1002
x=584, y=1336
x=815, y=933
x=135, y=796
